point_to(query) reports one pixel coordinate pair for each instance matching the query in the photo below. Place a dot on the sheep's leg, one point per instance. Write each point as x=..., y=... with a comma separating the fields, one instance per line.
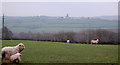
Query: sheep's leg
x=2, y=56
x=6, y=58
x=19, y=59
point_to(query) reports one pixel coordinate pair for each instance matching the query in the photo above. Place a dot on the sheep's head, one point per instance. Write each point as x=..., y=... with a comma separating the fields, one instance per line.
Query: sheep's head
x=21, y=46
x=19, y=54
x=97, y=39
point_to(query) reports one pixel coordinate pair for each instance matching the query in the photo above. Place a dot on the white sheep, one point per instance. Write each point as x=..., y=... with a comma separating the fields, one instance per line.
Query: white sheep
x=6, y=52
x=68, y=41
x=15, y=57
x=94, y=41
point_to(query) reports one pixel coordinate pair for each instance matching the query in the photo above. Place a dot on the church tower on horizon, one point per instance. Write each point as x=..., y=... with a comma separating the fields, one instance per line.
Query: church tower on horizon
x=67, y=16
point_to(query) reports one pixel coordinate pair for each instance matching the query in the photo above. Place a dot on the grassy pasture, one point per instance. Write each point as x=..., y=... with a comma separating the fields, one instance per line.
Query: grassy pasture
x=59, y=52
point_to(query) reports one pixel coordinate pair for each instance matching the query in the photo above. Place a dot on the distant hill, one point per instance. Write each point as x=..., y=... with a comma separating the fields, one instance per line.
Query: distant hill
x=56, y=24
x=108, y=17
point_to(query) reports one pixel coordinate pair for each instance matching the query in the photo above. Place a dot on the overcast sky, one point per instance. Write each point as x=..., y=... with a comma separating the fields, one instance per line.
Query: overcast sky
x=74, y=9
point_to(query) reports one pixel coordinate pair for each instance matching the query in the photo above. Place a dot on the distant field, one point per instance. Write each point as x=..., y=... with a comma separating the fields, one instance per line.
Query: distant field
x=59, y=52
x=55, y=24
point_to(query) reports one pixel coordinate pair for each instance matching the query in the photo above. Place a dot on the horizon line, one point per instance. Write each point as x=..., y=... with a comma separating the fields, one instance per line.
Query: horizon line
x=55, y=16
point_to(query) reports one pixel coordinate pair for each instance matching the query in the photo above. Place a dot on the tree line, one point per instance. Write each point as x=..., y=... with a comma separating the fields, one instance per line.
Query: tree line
x=83, y=37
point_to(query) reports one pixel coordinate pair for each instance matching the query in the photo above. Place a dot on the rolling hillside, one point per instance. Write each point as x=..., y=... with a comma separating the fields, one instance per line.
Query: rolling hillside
x=55, y=24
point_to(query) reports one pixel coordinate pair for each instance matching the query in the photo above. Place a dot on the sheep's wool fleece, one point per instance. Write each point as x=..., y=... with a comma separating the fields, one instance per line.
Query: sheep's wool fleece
x=15, y=56
x=12, y=50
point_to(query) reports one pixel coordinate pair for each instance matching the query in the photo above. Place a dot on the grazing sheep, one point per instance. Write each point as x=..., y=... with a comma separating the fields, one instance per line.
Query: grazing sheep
x=6, y=52
x=94, y=41
x=68, y=41
x=15, y=57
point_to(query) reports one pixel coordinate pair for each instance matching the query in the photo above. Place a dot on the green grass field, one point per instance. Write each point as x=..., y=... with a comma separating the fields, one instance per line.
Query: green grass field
x=59, y=52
